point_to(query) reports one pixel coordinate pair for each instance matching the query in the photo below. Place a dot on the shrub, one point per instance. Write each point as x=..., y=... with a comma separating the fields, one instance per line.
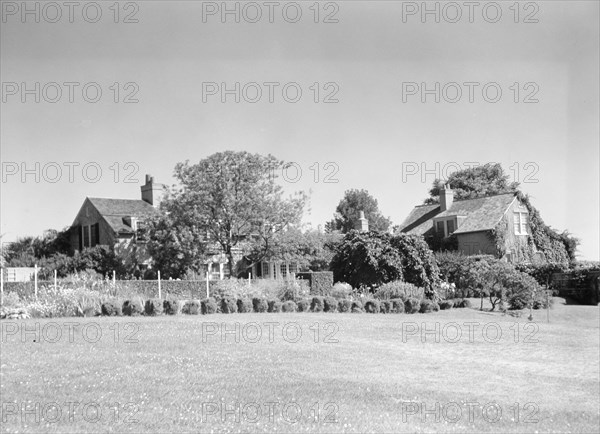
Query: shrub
x=385, y=306
x=345, y=305
x=317, y=304
x=341, y=290
x=209, y=306
x=153, y=307
x=133, y=307
x=461, y=302
x=357, y=306
x=112, y=308
x=274, y=306
x=398, y=289
x=244, y=305
x=321, y=282
x=172, y=306
x=289, y=306
x=427, y=306
x=229, y=305
x=412, y=305
x=191, y=307
x=330, y=304
x=293, y=290
x=372, y=306
x=260, y=305
x=446, y=304
x=304, y=305
x=397, y=305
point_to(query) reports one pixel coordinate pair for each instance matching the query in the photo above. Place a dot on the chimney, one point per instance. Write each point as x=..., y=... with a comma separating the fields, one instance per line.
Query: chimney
x=151, y=192
x=362, y=224
x=446, y=197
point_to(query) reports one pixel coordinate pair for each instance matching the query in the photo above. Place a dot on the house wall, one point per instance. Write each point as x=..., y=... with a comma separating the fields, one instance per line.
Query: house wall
x=476, y=243
x=88, y=215
x=516, y=248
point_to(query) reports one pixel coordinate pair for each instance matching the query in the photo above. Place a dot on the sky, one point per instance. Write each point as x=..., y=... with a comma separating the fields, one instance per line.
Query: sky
x=357, y=94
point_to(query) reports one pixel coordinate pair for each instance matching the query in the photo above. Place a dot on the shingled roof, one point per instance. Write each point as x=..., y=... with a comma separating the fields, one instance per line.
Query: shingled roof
x=480, y=214
x=115, y=210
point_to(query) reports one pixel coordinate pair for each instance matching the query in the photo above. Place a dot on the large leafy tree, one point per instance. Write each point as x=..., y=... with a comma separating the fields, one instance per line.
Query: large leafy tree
x=373, y=258
x=348, y=211
x=29, y=250
x=231, y=199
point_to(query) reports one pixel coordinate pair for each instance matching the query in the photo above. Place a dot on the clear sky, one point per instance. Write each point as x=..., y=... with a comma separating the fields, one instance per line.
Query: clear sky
x=377, y=136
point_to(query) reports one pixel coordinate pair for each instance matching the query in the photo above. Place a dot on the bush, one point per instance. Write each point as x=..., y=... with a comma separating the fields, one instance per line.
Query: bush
x=385, y=306
x=372, y=306
x=412, y=305
x=398, y=289
x=341, y=290
x=330, y=304
x=191, y=307
x=112, y=308
x=345, y=305
x=260, y=305
x=229, y=305
x=172, y=306
x=397, y=305
x=293, y=290
x=446, y=304
x=461, y=302
x=244, y=305
x=321, y=282
x=133, y=307
x=153, y=307
x=428, y=306
x=304, y=305
x=209, y=306
x=317, y=304
x=289, y=306
x=274, y=306
x=357, y=306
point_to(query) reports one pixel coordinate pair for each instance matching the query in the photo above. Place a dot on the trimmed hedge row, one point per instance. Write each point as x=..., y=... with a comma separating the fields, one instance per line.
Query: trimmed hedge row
x=154, y=306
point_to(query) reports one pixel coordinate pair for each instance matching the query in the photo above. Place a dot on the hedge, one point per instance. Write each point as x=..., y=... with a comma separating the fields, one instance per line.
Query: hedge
x=321, y=282
x=154, y=306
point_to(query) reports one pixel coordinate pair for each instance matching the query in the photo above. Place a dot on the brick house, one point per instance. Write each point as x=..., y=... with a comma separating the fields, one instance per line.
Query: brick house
x=497, y=225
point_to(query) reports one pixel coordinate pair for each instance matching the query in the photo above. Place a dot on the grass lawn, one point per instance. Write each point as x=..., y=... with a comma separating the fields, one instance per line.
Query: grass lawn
x=180, y=374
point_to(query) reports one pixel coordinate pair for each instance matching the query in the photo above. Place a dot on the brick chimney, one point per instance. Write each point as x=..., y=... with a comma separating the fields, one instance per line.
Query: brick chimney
x=152, y=192
x=446, y=197
x=362, y=224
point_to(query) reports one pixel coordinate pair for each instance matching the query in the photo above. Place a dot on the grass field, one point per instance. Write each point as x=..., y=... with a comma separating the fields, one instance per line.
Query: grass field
x=181, y=374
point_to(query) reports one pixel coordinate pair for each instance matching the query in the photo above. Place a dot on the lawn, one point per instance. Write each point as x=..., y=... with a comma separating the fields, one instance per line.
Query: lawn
x=182, y=374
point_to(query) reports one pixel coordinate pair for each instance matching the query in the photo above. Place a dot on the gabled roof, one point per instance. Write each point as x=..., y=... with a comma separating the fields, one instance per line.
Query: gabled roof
x=479, y=214
x=114, y=211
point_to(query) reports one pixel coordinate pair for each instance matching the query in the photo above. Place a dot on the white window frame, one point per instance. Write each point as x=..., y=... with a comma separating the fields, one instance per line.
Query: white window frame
x=520, y=220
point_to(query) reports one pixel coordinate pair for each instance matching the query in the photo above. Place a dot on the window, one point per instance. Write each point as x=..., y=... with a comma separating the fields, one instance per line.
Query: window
x=283, y=270
x=141, y=232
x=94, y=234
x=265, y=269
x=440, y=228
x=450, y=225
x=293, y=267
x=520, y=223
x=86, y=236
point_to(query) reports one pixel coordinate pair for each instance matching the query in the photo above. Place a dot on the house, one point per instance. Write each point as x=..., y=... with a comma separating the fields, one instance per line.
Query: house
x=497, y=225
x=115, y=222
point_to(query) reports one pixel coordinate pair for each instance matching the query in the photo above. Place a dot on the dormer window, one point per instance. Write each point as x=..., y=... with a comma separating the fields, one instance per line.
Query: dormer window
x=520, y=223
x=445, y=227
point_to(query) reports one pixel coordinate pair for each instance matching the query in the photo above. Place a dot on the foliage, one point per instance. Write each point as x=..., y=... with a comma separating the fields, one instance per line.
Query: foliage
x=208, y=306
x=330, y=304
x=348, y=211
x=289, y=306
x=397, y=305
x=229, y=305
x=357, y=306
x=341, y=290
x=234, y=200
x=192, y=307
x=133, y=307
x=446, y=304
x=543, y=272
x=372, y=306
x=321, y=282
x=154, y=306
x=385, y=306
x=412, y=305
x=317, y=304
x=374, y=258
x=274, y=306
x=303, y=305
x=260, y=305
x=172, y=306
x=345, y=305
x=398, y=289
x=244, y=305
x=27, y=251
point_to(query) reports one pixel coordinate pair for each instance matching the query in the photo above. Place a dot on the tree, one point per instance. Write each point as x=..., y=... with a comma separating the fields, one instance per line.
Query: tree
x=29, y=250
x=373, y=258
x=471, y=183
x=348, y=211
x=233, y=198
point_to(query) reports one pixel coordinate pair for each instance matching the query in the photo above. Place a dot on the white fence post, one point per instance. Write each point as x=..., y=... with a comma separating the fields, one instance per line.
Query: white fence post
x=35, y=280
x=55, y=283
x=249, y=279
x=207, y=284
x=159, y=289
